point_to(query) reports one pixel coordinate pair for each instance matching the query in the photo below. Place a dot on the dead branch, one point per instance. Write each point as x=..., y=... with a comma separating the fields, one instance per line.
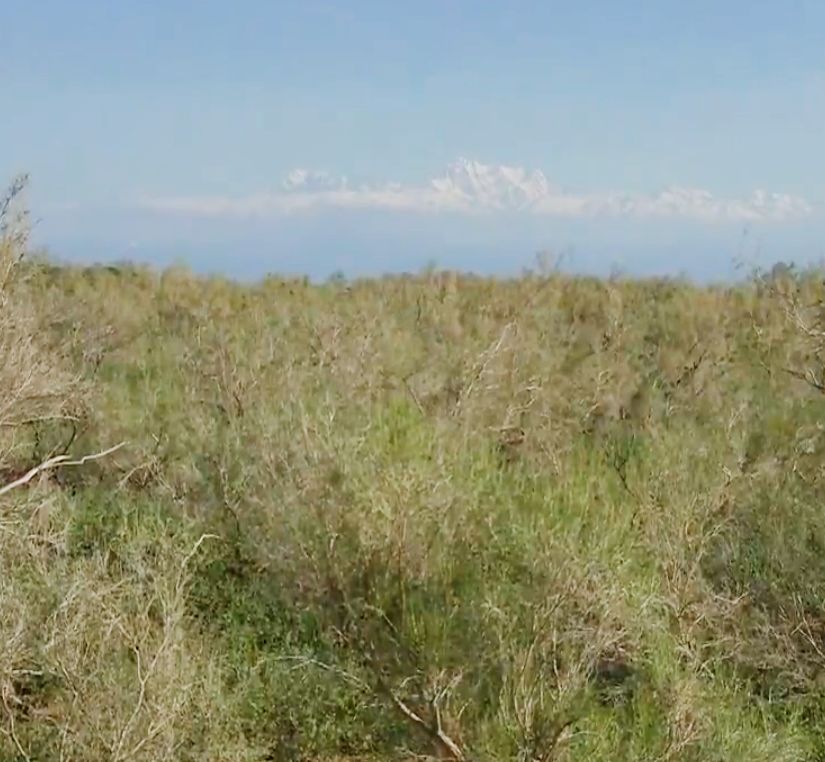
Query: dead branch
x=5, y=424
x=56, y=462
x=189, y=556
x=11, y=732
x=793, y=313
x=808, y=376
x=146, y=674
x=434, y=729
x=414, y=396
x=306, y=661
x=482, y=364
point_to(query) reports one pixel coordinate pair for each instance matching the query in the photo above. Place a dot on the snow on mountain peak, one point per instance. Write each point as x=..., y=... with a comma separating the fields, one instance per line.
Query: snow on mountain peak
x=468, y=186
x=309, y=180
x=496, y=187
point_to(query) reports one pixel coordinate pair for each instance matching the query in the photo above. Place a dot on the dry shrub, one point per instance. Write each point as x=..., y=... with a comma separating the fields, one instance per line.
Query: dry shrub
x=34, y=385
x=94, y=660
x=473, y=518
x=96, y=664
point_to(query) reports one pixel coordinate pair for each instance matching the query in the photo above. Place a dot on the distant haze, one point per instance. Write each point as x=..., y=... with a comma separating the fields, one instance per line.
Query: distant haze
x=314, y=137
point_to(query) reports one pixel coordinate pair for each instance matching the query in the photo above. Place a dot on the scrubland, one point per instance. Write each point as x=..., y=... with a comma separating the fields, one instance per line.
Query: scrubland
x=547, y=518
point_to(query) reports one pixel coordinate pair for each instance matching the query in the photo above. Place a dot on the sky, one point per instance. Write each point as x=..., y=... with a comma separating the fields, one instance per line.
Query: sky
x=651, y=137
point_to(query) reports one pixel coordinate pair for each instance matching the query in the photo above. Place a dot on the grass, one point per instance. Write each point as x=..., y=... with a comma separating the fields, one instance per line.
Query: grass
x=541, y=519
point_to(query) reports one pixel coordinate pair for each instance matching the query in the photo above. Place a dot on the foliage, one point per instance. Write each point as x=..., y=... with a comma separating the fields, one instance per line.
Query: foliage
x=541, y=519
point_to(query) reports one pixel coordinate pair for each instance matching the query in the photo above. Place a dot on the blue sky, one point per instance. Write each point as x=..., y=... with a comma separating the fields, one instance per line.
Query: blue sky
x=313, y=136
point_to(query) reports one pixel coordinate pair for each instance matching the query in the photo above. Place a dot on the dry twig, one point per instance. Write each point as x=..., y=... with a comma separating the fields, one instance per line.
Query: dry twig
x=55, y=462
x=434, y=728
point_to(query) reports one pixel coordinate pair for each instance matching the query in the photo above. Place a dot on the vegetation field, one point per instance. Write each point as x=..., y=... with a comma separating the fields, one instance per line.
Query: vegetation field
x=444, y=516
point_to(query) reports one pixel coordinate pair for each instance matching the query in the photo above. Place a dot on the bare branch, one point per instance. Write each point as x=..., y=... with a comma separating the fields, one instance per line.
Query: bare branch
x=435, y=729
x=189, y=556
x=482, y=363
x=56, y=462
x=11, y=732
x=306, y=661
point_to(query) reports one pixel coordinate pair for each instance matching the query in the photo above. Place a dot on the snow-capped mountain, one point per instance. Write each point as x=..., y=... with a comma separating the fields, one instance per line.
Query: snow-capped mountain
x=468, y=186
x=495, y=187
x=308, y=181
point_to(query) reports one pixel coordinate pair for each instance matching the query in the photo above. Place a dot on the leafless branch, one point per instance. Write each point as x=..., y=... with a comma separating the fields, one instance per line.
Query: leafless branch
x=434, y=729
x=56, y=462
x=306, y=661
x=11, y=733
x=482, y=363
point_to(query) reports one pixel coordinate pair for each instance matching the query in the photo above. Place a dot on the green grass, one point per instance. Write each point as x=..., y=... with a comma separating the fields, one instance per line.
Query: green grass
x=582, y=519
